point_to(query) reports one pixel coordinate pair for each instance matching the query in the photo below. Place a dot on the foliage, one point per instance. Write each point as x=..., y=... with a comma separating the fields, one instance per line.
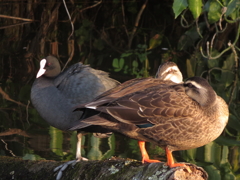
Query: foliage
x=137, y=57
x=129, y=39
x=215, y=9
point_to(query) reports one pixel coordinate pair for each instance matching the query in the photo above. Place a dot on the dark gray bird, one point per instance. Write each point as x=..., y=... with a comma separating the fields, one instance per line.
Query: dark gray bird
x=54, y=94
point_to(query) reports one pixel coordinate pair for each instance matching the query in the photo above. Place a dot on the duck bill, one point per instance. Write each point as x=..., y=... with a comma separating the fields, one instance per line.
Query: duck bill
x=42, y=70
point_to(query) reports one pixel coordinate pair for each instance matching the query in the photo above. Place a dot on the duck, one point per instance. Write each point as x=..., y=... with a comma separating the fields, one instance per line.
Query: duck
x=167, y=73
x=174, y=116
x=55, y=93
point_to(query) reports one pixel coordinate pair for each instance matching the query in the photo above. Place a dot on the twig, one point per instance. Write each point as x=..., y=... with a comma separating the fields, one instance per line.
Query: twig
x=103, y=36
x=27, y=111
x=89, y=7
x=6, y=147
x=136, y=23
x=6, y=96
x=14, y=131
x=16, y=18
x=124, y=22
x=17, y=24
x=225, y=50
x=69, y=18
x=198, y=30
x=70, y=43
x=183, y=20
x=236, y=74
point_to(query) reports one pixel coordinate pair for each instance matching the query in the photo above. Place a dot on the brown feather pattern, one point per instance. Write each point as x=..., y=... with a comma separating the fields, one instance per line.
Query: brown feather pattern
x=178, y=120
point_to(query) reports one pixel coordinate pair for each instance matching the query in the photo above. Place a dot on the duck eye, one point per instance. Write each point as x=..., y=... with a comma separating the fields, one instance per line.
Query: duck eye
x=189, y=85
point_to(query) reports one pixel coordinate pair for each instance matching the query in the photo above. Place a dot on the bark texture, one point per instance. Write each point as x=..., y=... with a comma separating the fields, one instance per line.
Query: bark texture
x=117, y=169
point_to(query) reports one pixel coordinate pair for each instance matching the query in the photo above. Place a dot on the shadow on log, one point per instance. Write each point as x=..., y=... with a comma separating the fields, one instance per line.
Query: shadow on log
x=119, y=169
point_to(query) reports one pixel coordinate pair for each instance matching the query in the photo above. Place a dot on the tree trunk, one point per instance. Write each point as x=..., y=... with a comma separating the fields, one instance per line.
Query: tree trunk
x=119, y=169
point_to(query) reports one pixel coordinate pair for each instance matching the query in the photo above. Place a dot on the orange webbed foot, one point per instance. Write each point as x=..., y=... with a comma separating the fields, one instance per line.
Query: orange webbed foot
x=147, y=160
x=145, y=157
x=171, y=163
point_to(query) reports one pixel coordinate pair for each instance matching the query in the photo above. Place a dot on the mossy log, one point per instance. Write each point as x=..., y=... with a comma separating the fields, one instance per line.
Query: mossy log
x=114, y=169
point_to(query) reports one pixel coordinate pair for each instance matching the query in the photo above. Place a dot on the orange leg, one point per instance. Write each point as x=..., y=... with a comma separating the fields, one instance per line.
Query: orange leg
x=170, y=161
x=145, y=157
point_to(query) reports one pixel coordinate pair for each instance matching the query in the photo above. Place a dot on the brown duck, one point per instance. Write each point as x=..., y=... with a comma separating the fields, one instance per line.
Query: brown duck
x=173, y=116
x=168, y=73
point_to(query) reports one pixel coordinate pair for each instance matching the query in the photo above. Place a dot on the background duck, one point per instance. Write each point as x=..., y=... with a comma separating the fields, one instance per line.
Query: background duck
x=173, y=116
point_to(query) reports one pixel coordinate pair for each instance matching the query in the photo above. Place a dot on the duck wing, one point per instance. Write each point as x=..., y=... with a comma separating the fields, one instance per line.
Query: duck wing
x=129, y=87
x=149, y=107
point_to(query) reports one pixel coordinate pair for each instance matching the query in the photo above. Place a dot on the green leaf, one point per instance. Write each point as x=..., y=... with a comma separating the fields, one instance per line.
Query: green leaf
x=195, y=7
x=179, y=6
x=226, y=141
x=155, y=41
x=121, y=63
x=229, y=175
x=115, y=63
x=214, y=11
x=189, y=155
x=225, y=153
x=214, y=62
x=213, y=172
x=227, y=77
x=225, y=2
x=56, y=140
x=234, y=122
x=144, y=46
x=135, y=64
x=234, y=15
x=126, y=69
x=126, y=54
x=190, y=71
x=32, y=157
x=212, y=153
x=140, y=46
x=232, y=6
x=118, y=64
x=206, y=6
x=229, y=63
x=189, y=38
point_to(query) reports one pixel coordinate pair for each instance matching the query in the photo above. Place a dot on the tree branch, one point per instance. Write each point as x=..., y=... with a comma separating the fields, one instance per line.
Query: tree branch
x=17, y=24
x=120, y=169
x=16, y=18
x=136, y=24
x=6, y=96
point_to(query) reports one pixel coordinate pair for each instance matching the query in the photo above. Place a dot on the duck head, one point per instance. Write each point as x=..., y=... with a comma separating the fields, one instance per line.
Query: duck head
x=200, y=90
x=49, y=67
x=169, y=71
